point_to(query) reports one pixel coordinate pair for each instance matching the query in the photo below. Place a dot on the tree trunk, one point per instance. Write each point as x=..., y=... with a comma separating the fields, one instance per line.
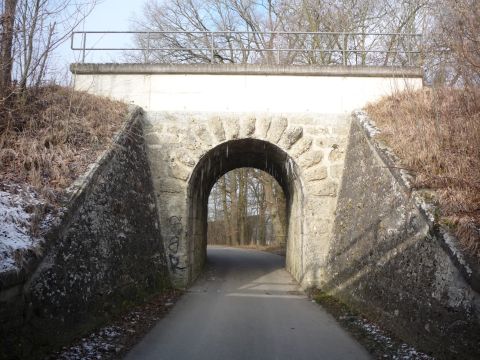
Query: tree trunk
x=262, y=223
x=234, y=208
x=226, y=215
x=242, y=205
x=8, y=21
x=273, y=205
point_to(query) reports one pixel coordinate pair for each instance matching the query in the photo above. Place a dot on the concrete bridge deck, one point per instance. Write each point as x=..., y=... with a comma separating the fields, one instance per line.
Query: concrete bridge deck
x=245, y=88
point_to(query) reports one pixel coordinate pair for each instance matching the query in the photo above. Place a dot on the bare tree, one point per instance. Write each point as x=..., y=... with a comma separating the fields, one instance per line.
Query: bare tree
x=454, y=42
x=7, y=22
x=344, y=24
x=42, y=25
x=253, y=209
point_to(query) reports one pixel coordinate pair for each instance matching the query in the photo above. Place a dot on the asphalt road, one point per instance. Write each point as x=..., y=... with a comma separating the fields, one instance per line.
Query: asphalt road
x=246, y=306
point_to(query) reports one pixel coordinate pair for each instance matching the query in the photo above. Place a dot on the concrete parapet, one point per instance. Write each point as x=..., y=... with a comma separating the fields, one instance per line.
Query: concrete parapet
x=245, y=88
x=247, y=69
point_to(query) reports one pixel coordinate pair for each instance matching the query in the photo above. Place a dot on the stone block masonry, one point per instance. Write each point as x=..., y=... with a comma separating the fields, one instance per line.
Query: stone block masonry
x=105, y=254
x=188, y=152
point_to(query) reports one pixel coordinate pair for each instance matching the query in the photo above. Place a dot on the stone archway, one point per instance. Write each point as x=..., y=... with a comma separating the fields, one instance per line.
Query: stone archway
x=235, y=154
x=188, y=152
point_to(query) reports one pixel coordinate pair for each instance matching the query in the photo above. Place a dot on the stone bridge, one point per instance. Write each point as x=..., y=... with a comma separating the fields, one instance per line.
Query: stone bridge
x=205, y=120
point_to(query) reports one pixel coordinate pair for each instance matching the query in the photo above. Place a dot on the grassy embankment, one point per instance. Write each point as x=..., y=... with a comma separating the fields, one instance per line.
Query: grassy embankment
x=436, y=134
x=50, y=135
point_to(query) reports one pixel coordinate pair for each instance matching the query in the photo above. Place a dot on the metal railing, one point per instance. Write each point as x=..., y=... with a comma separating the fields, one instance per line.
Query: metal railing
x=323, y=48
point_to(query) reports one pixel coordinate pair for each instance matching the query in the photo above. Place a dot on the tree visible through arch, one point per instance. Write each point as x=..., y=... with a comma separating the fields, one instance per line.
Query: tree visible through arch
x=247, y=208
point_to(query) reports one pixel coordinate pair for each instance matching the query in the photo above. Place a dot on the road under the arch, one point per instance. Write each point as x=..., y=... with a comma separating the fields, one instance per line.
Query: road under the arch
x=246, y=306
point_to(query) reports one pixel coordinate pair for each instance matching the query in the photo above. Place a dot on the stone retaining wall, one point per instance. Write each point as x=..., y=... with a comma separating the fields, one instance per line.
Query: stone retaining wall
x=105, y=254
x=386, y=260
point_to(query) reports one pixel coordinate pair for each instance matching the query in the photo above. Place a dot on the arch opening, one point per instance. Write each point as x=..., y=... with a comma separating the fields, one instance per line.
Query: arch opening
x=235, y=154
x=246, y=207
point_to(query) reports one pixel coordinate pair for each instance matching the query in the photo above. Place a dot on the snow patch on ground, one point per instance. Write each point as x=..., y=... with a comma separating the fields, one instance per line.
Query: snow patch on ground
x=99, y=345
x=16, y=215
x=403, y=352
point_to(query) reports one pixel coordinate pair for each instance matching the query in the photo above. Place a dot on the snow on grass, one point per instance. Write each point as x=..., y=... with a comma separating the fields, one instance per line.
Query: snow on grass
x=16, y=216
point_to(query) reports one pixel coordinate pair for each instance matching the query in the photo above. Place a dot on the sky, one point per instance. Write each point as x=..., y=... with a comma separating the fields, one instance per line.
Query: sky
x=108, y=15
x=113, y=15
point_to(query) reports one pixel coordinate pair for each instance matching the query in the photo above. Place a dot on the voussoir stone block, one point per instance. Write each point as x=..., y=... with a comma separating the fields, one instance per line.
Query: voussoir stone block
x=247, y=126
x=277, y=128
x=301, y=147
x=263, y=125
x=290, y=137
x=232, y=128
x=216, y=127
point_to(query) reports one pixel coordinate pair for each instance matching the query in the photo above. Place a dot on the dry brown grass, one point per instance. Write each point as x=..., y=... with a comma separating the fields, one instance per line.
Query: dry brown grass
x=52, y=134
x=436, y=134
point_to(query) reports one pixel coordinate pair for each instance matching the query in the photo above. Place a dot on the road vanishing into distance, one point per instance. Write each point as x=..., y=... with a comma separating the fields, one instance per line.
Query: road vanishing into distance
x=246, y=306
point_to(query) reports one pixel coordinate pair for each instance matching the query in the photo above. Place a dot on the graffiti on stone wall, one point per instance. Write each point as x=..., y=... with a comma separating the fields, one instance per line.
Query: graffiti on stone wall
x=176, y=229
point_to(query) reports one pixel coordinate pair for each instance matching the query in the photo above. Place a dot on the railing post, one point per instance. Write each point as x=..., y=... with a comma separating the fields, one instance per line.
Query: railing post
x=212, y=48
x=410, y=42
x=84, y=45
x=148, y=48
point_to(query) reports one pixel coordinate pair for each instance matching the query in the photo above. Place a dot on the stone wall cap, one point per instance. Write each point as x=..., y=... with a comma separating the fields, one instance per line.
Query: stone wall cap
x=246, y=69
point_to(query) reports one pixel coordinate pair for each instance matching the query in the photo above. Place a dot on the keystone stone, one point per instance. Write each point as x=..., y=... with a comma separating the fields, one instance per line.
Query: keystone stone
x=232, y=128
x=216, y=127
x=247, y=126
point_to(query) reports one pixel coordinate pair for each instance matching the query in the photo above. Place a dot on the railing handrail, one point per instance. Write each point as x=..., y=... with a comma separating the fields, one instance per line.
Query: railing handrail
x=209, y=39
x=246, y=32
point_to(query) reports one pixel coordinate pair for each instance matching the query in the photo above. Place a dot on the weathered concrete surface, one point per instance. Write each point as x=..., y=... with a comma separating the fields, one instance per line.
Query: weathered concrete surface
x=188, y=152
x=385, y=260
x=246, y=306
x=105, y=253
x=244, y=88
